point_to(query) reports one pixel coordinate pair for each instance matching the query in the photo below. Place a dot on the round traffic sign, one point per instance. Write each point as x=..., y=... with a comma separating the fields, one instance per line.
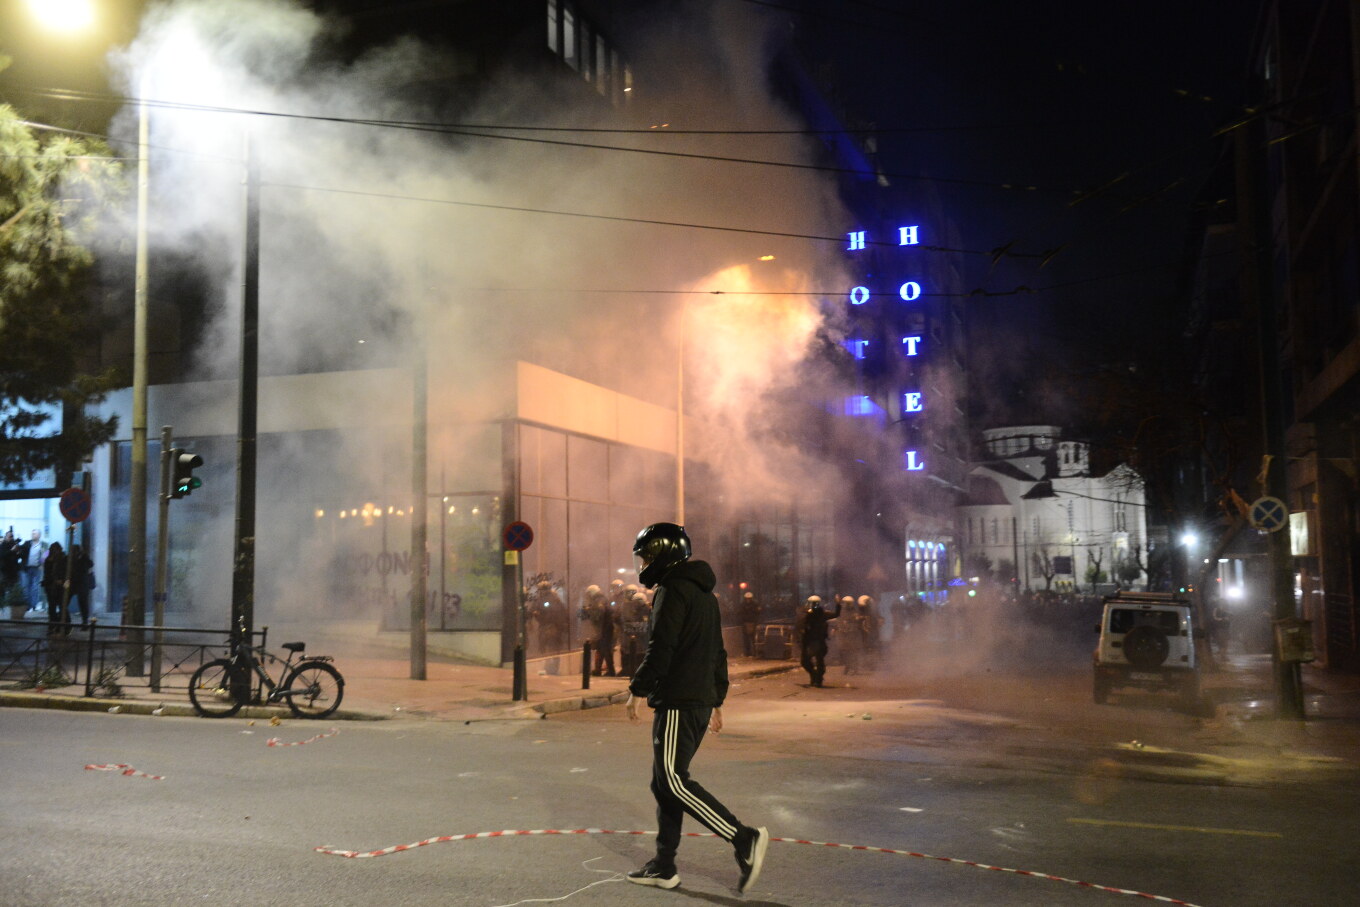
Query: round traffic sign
x=74, y=505
x=518, y=536
x=1269, y=514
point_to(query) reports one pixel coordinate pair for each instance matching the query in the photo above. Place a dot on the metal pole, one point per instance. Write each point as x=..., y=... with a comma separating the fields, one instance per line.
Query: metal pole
x=136, y=610
x=443, y=548
x=243, y=573
x=162, y=554
x=419, y=511
x=680, y=419
x=512, y=582
x=1254, y=211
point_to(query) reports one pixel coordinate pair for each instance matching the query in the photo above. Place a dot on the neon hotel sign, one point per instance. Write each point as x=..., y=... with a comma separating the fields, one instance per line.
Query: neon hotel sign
x=913, y=401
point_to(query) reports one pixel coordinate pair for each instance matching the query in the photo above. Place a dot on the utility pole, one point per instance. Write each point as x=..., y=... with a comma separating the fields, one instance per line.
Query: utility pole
x=1254, y=212
x=162, y=556
x=243, y=572
x=419, y=507
x=136, y=594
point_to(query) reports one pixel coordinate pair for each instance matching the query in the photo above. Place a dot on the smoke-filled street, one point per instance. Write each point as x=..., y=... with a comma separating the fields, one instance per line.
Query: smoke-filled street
x=863, y=762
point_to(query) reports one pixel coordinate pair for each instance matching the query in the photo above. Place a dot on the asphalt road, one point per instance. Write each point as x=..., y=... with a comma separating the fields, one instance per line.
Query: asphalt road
x=236, y=821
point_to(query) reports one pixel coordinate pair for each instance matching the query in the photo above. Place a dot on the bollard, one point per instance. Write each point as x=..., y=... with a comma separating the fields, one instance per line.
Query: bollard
x=585, y=665
x=520, y=692
x=89, y=657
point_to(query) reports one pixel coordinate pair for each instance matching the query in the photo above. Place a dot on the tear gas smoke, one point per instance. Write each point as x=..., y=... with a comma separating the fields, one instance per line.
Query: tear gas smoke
x=371, y=244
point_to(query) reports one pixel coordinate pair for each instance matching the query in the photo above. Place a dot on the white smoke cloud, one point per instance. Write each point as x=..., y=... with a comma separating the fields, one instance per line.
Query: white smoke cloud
x=362, y=246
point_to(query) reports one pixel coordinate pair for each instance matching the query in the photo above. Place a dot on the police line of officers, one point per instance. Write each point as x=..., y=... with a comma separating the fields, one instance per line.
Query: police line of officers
x=614, y=619
x=618, y=619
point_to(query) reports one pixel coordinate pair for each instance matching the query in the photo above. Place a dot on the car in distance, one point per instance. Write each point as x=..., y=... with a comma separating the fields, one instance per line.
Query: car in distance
x=1147, y=641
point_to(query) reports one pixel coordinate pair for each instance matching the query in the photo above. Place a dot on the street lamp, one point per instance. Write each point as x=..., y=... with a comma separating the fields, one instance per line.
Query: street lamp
x=63, y=15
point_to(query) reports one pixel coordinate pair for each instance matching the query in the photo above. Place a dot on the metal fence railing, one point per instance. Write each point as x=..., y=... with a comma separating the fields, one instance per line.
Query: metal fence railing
x=107, y=658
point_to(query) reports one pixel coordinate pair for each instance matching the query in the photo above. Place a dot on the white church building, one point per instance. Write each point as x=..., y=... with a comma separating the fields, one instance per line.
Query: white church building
x=1034, y=515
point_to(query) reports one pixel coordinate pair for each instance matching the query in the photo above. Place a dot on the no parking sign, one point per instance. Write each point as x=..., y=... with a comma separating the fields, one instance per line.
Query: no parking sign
x=75, y=505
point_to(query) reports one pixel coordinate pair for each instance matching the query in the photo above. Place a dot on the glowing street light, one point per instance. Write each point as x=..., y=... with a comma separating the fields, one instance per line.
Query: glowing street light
x=63, y=15
x=1189, y=540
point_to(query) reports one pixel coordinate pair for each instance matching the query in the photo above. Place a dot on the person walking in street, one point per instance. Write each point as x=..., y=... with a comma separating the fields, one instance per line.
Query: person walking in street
x=813, y=630
x=683, y=678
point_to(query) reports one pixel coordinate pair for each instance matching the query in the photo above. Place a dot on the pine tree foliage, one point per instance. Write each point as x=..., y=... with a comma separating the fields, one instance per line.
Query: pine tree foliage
x=51, y=189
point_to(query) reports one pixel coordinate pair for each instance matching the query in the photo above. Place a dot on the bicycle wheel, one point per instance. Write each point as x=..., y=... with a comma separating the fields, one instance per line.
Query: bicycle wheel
x=210, y=689
x=314, y=689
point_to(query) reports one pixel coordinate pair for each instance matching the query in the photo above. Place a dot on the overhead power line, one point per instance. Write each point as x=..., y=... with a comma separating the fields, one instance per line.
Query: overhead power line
x=1002, y=252
x=480, y=132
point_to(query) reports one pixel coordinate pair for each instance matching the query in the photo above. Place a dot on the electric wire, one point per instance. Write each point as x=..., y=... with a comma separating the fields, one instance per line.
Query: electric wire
x=466, y=132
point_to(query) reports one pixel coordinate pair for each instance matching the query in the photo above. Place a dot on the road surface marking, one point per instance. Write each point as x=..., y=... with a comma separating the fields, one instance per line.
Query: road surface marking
x=1207, y=831
x=514, y=833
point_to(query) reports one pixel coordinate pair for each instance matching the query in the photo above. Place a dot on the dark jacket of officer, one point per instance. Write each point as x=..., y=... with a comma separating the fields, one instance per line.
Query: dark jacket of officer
x=814, y=621
x=685, y=665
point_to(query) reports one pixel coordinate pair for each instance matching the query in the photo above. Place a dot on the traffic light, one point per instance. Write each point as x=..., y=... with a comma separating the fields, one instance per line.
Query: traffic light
x=182, y=478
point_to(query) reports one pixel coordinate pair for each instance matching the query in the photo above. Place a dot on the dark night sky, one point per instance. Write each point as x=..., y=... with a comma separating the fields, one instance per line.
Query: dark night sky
x=1060, y=94
x=1064, y=95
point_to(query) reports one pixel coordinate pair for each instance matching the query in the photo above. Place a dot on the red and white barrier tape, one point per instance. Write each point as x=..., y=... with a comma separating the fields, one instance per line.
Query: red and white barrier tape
x=125, y=769
x=695, y=834
x=274, y=741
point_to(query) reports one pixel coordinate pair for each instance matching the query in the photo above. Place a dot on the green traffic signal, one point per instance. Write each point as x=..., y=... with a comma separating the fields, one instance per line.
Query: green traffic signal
x=182, y=465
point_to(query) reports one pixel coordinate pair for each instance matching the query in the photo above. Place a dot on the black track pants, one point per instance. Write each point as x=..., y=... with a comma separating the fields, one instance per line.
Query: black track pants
x=676, y=735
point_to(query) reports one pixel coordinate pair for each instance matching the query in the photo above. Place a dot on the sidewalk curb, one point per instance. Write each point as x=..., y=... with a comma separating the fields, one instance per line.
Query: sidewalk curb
x=599, y=700
x=176, y=707
x=65, y=702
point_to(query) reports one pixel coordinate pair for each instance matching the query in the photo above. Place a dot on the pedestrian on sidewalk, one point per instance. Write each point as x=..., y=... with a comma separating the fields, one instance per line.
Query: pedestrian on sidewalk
x=683, y=677
x=31, y=555
x=82, y=572
x=54, y=585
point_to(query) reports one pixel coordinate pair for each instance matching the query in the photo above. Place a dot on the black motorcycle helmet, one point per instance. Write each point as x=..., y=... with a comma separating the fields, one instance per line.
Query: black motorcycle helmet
x=658, y=548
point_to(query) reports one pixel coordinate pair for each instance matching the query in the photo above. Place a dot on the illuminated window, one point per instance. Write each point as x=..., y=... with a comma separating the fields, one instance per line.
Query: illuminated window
x=554, y=15
x=569, y=37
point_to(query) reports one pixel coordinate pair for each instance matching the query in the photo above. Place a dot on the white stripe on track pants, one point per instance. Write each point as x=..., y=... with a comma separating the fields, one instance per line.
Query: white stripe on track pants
x=676, y=735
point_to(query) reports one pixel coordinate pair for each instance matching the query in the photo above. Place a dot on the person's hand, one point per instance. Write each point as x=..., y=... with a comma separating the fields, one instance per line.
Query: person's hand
x=631, y=707
x=715, y=721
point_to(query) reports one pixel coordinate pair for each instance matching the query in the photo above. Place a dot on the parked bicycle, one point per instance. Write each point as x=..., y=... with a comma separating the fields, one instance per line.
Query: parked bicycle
x=312, y=687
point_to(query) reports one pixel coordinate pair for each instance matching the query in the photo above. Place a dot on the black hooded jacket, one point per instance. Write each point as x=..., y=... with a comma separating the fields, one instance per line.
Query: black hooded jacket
x=685, y=665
